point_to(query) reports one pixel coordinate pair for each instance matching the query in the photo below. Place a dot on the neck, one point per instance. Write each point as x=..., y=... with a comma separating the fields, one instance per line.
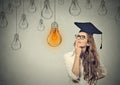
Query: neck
x=83, y=49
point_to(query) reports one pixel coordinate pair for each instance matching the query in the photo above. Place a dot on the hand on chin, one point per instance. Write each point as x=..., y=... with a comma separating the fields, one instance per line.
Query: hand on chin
x=80, y=46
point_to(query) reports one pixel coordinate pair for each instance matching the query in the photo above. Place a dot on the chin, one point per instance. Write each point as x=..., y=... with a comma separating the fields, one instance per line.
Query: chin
x=82, y=46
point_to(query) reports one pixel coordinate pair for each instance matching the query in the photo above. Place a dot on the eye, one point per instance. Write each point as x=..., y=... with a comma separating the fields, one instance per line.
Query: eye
x=82, y=37
x=77, y=36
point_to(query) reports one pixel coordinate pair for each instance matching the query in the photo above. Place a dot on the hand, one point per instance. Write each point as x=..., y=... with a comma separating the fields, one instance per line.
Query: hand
x=77, y=49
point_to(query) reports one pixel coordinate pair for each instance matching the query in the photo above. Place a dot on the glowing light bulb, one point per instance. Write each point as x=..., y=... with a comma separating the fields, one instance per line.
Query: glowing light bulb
x=74, y=8
x=32, y=7
x=54, y=38
x=16, y=44
x=88, y=4
x=16, y=3
x=41, y=25
x=102, y=9
x=9, y=8
x=3, y=20
x=117, y=17
x=23, y=22
x=61, y=2
x=46, y=12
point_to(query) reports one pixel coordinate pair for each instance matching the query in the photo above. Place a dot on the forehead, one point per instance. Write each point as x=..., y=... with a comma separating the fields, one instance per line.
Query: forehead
x=82, y=33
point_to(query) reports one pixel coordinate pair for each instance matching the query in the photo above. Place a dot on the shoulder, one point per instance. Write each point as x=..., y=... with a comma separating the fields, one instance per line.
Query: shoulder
x=69, y=55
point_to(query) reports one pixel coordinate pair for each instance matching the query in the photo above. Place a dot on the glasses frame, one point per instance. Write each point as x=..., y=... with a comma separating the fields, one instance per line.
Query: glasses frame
x=82, y=37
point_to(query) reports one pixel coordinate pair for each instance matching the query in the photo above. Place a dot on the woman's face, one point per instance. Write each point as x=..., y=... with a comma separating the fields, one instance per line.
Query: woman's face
x=81, y=39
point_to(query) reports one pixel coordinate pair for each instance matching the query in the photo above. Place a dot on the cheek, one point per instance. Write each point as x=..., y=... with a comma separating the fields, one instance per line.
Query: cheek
x=85, y=43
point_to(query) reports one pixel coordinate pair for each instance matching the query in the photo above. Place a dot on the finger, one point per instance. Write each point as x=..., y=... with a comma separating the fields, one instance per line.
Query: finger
x=76, y=45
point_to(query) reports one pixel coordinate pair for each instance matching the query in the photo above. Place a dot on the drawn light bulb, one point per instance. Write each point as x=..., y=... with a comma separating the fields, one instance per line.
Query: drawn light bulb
x=117, y=16
x=9, y=8
x=41, y=25
x=23, y=22
x=3, y=20
x=16, y=3
x=54, y=38
x=16, y=44
x=32, y=7
x=46, y=12
x=61, y=2
x=74, y=8
x=102, y=9
x=88, y=4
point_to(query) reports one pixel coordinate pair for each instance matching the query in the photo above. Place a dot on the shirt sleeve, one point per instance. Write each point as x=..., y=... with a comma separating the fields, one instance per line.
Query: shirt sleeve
x=102, y=68
x=68, y=60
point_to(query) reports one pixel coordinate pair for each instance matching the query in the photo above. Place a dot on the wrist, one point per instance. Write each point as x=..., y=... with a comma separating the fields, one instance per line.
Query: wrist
x=77, y=55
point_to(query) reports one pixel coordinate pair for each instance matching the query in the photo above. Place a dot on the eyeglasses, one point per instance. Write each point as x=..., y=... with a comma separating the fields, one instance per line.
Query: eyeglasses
x=82, y=37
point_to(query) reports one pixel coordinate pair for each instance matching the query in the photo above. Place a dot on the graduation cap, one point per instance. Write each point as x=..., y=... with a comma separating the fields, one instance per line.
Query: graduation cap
x=89, y=28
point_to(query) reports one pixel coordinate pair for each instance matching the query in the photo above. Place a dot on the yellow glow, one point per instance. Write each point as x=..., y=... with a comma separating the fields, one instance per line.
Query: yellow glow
x=54, y=38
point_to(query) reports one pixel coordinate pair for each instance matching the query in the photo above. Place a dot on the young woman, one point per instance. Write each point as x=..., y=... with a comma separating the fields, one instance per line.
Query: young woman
x=83, y=64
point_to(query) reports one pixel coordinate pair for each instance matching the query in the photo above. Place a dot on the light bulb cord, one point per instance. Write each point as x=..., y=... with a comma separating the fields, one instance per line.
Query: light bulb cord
x=31, y=2
x=54, y=10
x=9, y=1
x=88, y=1
x=2, y=4
x=40, y=8
x=23, y=7
x=16, y=19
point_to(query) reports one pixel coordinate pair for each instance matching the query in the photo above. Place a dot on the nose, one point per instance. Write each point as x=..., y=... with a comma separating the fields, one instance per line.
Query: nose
x=79, y=38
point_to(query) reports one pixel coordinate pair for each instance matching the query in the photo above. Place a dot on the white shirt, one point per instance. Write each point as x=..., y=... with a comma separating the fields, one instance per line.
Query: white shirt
x=69, y=61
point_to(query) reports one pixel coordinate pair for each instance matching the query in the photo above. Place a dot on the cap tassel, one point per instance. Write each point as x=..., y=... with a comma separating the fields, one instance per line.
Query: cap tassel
x=101, y=46
x=101, y=42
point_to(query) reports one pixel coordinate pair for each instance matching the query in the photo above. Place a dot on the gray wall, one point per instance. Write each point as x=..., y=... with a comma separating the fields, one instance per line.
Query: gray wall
x=36, y=63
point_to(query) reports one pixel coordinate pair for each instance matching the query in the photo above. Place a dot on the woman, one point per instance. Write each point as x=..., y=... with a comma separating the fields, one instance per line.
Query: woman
x=83, y=63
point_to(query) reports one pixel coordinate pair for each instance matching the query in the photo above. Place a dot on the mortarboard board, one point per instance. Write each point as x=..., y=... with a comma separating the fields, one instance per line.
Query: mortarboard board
x=88, y=28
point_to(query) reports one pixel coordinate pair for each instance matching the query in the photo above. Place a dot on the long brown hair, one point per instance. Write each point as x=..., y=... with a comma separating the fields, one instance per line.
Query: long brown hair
x=90, y=62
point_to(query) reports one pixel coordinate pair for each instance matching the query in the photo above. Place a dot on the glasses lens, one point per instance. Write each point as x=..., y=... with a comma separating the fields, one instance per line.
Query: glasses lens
x=82, y=37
